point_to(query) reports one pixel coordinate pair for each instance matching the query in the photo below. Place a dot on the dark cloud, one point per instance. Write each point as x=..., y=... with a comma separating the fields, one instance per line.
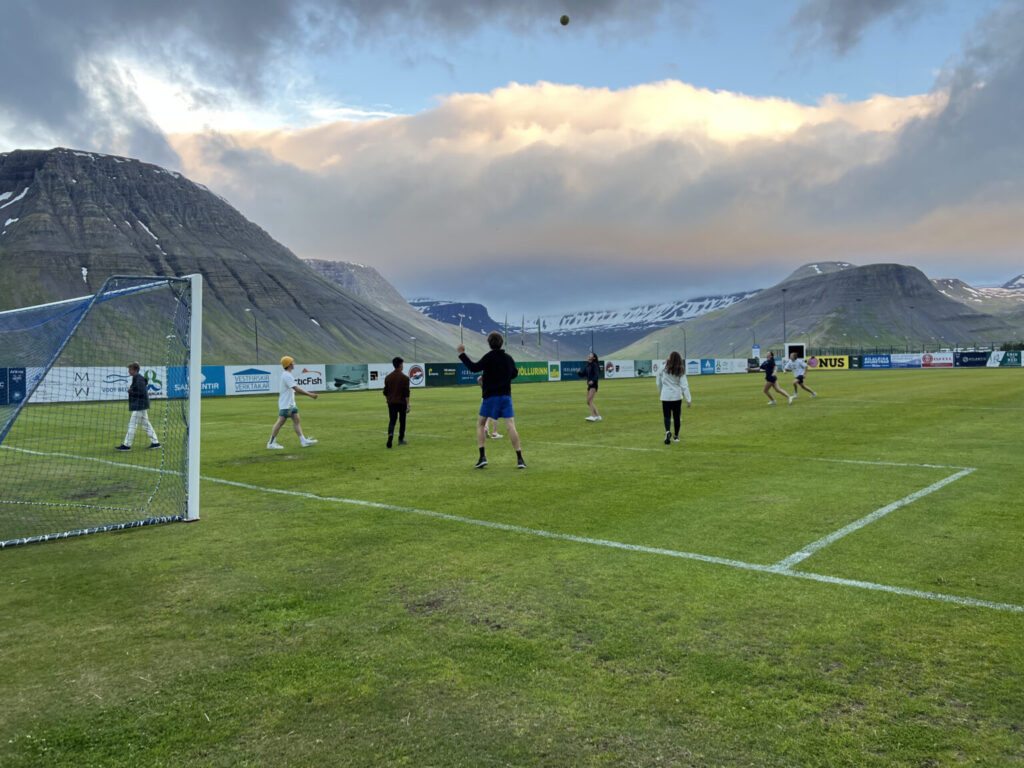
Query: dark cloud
x=840, y=24
x=55, y=53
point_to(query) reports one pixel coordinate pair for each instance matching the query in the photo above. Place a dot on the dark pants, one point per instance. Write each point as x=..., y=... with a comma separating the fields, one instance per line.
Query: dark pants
x=396, y=412
x=673, y=408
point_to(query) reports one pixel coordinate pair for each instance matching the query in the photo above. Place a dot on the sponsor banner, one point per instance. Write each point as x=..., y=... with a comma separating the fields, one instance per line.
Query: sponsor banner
x=692, y=367
x=466, y=376
x=1011, y=359
x=618, y=369
x=571, y=369
x=875, y=361
x=312, y=377
x=13, y=385
x=345, y=377
x=905, y=360
x=250, y=380
x=937, y=360
x=730, y=365
x=828, y=362
x=417, y=373
x=376, y=373
x=66, y=385
x=643, y=368
x=755, y=351
x=554, y=370
x=856, y=361
x=214, y=383
x=442, y=374
x=970, y=359
x=532, y=370
x=656, y=366
x=707, y=366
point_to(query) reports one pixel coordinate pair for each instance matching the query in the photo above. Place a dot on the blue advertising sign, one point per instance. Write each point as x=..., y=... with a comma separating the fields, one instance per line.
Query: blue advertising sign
x=466, y=376
x=707, y=366
x=876, y=361
x=13, y=386
x=970, y=359
x=214, y=382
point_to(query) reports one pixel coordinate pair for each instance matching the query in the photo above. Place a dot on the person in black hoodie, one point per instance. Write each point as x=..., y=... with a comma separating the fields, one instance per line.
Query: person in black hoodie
x=138, y=404
x=498, y=371
x=591, y=372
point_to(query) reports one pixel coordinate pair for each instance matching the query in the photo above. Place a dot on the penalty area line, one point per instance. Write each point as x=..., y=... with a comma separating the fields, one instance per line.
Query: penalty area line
x=767, y=569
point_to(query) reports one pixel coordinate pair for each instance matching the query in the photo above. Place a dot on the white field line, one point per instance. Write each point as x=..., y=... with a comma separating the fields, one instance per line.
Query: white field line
x=788, y=562
x=768, y=569
x=776, y=569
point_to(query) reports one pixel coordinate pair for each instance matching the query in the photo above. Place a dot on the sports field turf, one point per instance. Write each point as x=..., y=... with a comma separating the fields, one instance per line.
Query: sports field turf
x=620, y=602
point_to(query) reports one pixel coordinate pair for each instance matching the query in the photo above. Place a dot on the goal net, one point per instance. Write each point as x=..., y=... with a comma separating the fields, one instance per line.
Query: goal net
x=64, y=410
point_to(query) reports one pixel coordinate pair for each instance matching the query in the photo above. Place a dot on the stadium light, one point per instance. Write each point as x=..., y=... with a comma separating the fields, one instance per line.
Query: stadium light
x=784, y=336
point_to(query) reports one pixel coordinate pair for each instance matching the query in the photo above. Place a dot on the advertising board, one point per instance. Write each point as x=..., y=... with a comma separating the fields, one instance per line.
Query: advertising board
x=347, y=377
x=730, y=365
x=643, y=368
x=970, y=359
x=618, y=369
x=875, y=362
x=66, y=385
x=905, y=360
x=214, y=383
x=532, y=370
x=936, y=359
x=693, y=368
x=442, y=374
x=828, y=363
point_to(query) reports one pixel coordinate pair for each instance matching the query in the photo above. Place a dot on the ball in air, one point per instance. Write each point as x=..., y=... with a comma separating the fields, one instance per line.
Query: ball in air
x=564, y=20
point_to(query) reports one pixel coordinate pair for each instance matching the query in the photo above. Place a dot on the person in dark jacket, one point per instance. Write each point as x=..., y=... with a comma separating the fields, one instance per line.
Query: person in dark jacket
x=396, y=392
x=591, y=372
x=138, y=405
x=498, y=371
x=771, y=381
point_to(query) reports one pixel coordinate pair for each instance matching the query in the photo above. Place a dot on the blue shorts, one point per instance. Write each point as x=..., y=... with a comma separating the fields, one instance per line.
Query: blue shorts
x=497, y=407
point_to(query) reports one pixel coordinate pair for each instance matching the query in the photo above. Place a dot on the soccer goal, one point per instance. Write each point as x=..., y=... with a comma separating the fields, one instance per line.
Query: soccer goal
x=64, y=410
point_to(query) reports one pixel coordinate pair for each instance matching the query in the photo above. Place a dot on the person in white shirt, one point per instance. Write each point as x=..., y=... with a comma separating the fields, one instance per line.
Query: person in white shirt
x=286, y=406
x=797, y=365
x=672, y=386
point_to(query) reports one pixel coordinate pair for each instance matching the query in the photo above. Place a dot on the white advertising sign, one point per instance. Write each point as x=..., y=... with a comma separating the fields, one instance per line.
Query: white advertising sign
x=68, y=385
x=417, y=373
x=730, y=365
x=312, y=377
x=693, y=367
x=250, y=379
x=377, y=372
x=656, y=366
x=618, y=369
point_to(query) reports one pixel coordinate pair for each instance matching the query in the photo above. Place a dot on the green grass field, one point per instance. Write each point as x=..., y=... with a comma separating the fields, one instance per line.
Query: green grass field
x=619, y=603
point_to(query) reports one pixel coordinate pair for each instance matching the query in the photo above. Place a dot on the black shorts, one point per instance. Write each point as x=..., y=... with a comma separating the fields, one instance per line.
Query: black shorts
x=771, y=379
x=800, y=378
x=592, y=385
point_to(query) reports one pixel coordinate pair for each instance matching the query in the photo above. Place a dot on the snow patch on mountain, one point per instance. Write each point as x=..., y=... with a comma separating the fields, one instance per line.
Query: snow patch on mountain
x=638, y=317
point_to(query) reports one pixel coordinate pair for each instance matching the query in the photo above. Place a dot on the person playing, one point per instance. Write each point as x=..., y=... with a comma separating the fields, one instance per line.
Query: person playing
x=396, y=392
x=498, y=370
x=797, y=365
x=771, y=381
x=491, y=427
x=286, y=406
x=138, y=405
x=672, y=386
x=591, y=372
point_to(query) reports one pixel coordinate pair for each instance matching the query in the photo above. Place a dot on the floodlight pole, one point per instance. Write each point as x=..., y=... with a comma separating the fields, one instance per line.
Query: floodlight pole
x=413, y=338
x=784, y=336
x=256, y=331
x=684, y=341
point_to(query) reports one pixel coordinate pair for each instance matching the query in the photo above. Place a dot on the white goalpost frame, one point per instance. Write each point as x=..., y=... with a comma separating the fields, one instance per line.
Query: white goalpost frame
x=195, y=393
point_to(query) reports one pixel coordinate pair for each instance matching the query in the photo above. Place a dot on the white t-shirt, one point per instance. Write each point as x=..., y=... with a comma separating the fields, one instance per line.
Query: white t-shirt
x=287, y=397
x=798, y=366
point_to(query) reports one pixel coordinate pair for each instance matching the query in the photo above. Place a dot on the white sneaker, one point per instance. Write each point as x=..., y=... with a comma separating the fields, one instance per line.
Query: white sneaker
x=495, y=434
x=771, y=402
x=814, y=394
x=308, y=441
x=795, y=396
x=791, y=399
x=597, y=418
x=591, y=418
x=275, y=446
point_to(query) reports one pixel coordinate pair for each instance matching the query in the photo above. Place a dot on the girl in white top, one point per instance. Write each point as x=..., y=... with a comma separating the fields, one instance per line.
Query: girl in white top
x=797, y=365
x=672, y=386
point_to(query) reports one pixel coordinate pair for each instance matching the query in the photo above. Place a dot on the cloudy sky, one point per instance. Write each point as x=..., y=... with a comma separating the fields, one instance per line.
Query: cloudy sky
x=481, y=151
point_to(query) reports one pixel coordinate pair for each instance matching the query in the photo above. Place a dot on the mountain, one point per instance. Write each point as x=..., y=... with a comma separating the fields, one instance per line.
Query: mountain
x=993, y=301
x=1017, y=284
x=368, y=284
x=609, y=328
x=70, y=219
x=819, y=268
x=879, y=305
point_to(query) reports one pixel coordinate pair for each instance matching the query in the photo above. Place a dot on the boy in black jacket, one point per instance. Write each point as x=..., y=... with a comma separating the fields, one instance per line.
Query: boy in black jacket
x=498, y=371
x=138, y=404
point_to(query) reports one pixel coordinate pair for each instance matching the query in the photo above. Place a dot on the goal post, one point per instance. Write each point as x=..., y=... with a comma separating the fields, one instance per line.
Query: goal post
x=78, y=452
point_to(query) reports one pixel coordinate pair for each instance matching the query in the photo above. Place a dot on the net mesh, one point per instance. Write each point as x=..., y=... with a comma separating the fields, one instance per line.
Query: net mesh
x=64, y=410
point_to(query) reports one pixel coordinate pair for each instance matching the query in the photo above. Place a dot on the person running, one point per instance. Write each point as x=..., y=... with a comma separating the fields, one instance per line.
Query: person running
x=138, y=405
x=591, y=372
x=672, y=387
x=396, y=392
x=286, y=406
x=490, y=428
x=771, y=381
x=798, y=366
x=498, y=370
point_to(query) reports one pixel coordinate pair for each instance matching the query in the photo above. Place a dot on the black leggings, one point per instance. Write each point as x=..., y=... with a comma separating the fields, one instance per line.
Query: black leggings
x=396, y=412
x=673, y=408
